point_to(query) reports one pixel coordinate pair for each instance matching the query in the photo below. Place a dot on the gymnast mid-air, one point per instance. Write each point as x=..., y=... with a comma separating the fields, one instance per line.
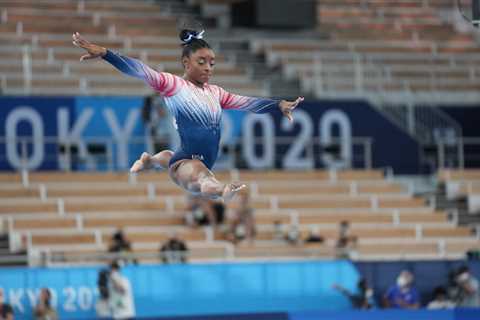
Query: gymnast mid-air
x=196, y=107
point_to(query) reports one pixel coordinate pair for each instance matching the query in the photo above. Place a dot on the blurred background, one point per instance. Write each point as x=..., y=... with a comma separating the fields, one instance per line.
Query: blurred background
x=370, y=199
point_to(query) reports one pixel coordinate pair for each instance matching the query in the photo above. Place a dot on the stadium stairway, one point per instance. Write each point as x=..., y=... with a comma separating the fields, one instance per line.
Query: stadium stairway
x=237, y=47
x=456, y=205
x=9, y=258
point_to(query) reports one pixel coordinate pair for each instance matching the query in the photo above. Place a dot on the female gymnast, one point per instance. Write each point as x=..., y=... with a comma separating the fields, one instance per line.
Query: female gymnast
x=196, y=106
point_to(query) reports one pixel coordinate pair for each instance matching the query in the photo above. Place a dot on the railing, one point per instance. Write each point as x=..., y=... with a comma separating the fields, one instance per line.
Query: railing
x=463, y=152
x=105, y=153
x=49, y=257
x=449, y=152
x=102, y=153
x=428, y=125
x=370, y=78
x=27, y=69
x=56, y=257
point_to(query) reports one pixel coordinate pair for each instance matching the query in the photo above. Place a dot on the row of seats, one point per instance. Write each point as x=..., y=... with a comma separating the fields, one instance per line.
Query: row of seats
x=380, y=47
x=140, y=29
x=366, y=33
x=462, y=184
x=69, y=214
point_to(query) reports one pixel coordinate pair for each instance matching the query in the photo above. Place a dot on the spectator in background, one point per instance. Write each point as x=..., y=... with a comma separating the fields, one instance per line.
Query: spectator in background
x=453, y=290
x=43, y=309
x=102, y=306
x=278, y=231
x=468, y=293
x=243, y=223
x=314, y=236
x=203, y=212
x=345, y=242
x=362, y=299
x=217, y=211
x=120, y=294
x=6, y=310
x=293, y=234
x=157, y=122
x=174, y=250
x=402, y=295
x=440, y=300
x=120, y=244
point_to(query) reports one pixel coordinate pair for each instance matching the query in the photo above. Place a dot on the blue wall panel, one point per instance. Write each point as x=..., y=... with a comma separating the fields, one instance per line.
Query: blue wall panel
x=389, y=314
x=428, y=274
x=99, y=116
x=176, y=290
x=17, y=114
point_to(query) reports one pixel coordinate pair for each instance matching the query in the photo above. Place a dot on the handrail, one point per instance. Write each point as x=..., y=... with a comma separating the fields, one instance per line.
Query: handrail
x=27, y=69
x=361, y=155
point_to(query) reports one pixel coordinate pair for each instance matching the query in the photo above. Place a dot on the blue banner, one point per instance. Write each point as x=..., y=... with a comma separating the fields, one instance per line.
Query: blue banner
x=347, y=119
x=389, y=314
x=111, y=118
x=112, y=128
x=25, y=124
x=187, y=290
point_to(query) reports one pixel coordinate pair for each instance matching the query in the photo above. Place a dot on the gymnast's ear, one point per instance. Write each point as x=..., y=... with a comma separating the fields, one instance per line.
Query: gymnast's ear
x=185, y=61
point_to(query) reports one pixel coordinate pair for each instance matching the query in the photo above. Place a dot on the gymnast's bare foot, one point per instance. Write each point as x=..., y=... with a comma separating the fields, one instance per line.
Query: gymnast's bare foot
x=144, y=163
x=231, y=190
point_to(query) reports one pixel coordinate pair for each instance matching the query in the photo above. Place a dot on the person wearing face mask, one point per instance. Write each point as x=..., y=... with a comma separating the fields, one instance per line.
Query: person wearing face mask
x=6, y=310
x=468, y=293
x=120, y=294
x=362, y=299
x=345, y=241
x=44, y=309
x=402, y=295
x=440, y=300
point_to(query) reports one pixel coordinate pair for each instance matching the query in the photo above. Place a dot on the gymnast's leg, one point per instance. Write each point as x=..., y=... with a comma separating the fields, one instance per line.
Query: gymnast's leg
x=147, y=161
x=196, y=178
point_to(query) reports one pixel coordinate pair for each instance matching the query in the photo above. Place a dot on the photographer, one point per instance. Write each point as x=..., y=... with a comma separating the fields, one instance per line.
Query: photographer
x=120, y=294
x=362, y=298
x=116, y=298
x=174, y=250
x=468, y=293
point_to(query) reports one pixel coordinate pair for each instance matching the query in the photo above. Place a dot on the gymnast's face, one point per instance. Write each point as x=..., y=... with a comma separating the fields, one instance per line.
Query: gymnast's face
x=199, y=65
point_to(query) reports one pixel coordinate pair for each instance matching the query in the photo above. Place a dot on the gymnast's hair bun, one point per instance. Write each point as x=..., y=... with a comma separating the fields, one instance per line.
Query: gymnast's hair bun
x=188, y=35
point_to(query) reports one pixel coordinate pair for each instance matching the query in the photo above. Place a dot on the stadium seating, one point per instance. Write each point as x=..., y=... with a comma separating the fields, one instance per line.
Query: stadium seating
x=139, y=29
x=363, y=47
x=462, y=184
x=375, y=47
x=366, y=48
x=68, y=215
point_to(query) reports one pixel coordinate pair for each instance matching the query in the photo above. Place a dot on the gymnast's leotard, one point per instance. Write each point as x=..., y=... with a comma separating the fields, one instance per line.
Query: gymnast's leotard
x=197, y=111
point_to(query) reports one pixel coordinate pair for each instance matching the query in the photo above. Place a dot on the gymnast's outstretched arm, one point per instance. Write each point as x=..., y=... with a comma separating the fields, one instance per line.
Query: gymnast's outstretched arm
x=257, y=105
x=163, y=82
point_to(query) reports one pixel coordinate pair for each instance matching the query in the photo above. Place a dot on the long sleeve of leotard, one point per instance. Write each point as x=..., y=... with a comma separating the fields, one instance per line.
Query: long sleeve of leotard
x=163, y=82
x=257, y=105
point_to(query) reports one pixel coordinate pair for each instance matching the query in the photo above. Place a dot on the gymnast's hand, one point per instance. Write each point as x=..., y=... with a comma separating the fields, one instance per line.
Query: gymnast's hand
x=93, y=51
x=287, y=107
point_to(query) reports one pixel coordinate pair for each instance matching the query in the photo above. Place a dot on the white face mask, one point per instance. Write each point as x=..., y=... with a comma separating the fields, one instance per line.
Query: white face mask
x=369, y=293
x=402, y=281
x=463, y=277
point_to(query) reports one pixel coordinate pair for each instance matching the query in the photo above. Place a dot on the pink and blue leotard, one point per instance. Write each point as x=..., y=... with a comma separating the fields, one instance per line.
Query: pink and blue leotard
x=197, y=111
